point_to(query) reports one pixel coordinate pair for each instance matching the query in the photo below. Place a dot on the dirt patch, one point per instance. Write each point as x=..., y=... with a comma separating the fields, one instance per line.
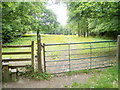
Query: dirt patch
x=56, y=82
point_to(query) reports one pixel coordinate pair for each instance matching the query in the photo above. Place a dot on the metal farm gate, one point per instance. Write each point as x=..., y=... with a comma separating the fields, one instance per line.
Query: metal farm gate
x=65, y=57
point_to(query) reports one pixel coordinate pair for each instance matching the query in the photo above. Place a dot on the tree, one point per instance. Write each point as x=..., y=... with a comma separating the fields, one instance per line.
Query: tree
x=48, y=21
x=101, y=18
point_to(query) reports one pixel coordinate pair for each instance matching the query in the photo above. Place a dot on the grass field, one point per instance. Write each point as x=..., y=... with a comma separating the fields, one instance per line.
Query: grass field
x=48, y=39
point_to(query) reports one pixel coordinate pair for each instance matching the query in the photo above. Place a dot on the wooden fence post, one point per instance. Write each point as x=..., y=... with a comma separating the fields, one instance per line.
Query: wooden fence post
x=6, y=72
x=118, y=50
x=32, y=53
x=39, y=52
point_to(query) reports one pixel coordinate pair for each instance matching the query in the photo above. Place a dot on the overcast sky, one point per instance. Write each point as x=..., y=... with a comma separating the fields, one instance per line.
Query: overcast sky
x=60, y=10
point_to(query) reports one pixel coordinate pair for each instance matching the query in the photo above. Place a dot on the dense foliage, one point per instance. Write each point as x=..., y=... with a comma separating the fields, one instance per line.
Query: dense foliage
x=20, y=17
x=94, y=18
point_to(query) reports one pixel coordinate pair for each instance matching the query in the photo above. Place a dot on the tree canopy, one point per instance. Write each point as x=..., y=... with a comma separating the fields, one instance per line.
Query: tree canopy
x=85, y=18
x=21, y=17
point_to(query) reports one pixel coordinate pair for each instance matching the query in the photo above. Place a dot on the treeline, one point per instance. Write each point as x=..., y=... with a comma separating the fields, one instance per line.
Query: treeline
x=94, y=18
x=21, y=17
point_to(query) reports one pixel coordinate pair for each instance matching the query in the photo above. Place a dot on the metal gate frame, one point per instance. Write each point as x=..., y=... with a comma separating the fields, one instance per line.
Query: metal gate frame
x=90, y=48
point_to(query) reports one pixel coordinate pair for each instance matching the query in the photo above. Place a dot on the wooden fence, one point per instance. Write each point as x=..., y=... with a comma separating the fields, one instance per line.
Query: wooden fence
x=6, y=61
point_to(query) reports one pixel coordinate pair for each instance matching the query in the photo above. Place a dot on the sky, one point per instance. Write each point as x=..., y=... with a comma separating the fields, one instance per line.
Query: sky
x=60, y=10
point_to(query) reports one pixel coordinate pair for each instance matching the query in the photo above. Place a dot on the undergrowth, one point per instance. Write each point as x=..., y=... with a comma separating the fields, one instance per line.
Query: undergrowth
x=30, y=73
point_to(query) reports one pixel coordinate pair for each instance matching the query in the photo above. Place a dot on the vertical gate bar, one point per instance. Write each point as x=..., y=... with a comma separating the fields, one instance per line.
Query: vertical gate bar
x=44, y=57
x=90, y=55
x=32, y=54
x=69, y=55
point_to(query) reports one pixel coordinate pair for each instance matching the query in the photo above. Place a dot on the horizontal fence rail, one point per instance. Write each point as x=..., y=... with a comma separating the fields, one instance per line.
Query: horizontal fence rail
x=15, y=46
x=79, y=43
x=65, y=57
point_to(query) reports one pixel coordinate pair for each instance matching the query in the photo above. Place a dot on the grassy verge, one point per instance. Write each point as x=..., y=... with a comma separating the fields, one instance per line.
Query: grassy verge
x=107, y=78
x=82, y=71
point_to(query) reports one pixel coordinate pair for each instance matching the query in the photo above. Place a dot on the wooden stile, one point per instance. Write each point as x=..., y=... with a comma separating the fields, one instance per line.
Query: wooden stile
x=19, y=53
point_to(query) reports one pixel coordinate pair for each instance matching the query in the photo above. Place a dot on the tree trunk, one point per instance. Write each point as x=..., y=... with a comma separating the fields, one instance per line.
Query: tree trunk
x=87, y=28
x=79, y=29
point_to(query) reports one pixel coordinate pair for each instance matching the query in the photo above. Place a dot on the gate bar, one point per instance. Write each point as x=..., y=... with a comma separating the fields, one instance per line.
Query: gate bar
x=90, y=55
x=80, y=43
x=44, y=57
x=69, y=55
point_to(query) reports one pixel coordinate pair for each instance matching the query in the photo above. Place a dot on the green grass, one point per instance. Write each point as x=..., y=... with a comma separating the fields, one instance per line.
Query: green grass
x=27, y=38
x=107, y=78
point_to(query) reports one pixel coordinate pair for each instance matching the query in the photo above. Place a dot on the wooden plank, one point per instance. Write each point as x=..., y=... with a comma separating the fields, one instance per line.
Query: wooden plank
x=22, y=59
x=16, y=66
x=15, y=46
x=11, y=53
